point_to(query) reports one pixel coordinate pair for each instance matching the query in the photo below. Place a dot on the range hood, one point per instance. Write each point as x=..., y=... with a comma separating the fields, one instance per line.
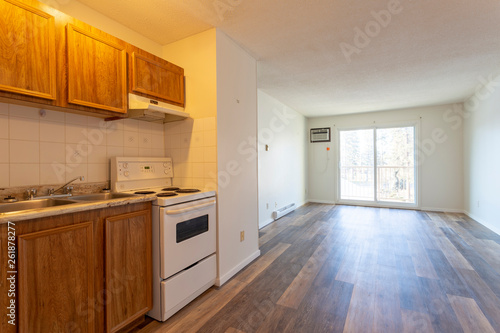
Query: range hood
x=142, y=108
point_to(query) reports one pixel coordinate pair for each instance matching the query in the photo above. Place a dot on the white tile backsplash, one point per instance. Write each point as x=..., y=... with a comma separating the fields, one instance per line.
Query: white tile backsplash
x=50, y=115
x=76, y=119
x=192, y=145
x=145, y=140
x=76, y=154
x=24, y=129
x=97, y=173
x=145, y=127
x=75, y=133
x=24, y=174
x=77, y=171
x=147, y=152
x=51, y=147
x=4, y=151
x=4, y=127
x=51, y=152
x=115, y=138
x=155, y=152
x=4, y=175
x=157, y=141
x=51, y=131
x=209, y=124
x=4, y=109
x=197, y=139
x=49, y=174
x=131, y=152
x=97, y=155
x=157, y=129
x=24, y=111
x=131, y=139
x=131, y=125
x=210, y=138
x=24, y=152
x=210, y=154
x=115, y=151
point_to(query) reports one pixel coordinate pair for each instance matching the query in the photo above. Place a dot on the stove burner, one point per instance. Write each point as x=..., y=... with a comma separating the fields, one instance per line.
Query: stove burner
x=166, y=194
x=171, y=188
x=145, y=192
x=187, y=190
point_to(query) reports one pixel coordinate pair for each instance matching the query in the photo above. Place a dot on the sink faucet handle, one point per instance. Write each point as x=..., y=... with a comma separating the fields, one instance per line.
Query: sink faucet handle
x=30, y=193
x=50, y=191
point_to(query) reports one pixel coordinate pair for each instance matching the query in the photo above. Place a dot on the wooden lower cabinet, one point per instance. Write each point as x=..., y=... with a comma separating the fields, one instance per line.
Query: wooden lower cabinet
x=83, y=272
x=128, y=268
x=56, y=279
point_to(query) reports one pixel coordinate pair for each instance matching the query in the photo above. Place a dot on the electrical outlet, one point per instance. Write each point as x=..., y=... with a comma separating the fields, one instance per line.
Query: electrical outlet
x=267, y=205
x=275, y=205
x=478, y=204
x=242, y=236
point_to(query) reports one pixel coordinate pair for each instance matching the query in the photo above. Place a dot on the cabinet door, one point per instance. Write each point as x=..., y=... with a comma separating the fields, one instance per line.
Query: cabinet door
x=56, y=280
x=97, y=71
x=128, y=268
x=27, y=50
x=157, y=79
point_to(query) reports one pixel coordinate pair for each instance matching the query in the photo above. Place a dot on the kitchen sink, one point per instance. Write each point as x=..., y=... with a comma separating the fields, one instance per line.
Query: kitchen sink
x=33, y=204
x=101, y=196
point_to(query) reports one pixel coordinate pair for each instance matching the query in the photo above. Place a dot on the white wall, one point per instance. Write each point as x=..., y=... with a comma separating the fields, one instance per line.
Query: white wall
x=441, y=156
x=236, y=157
x=283, y=168
x=482, y=156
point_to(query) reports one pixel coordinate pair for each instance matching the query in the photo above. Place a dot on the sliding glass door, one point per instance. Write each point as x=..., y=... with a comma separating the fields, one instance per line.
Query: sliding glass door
x=378, y=165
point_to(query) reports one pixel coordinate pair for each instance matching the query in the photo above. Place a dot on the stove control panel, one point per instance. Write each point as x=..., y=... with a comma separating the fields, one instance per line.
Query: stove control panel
x=130, y=171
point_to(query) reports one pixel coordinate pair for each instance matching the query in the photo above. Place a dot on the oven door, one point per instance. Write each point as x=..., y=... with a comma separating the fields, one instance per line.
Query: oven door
x=187, y=235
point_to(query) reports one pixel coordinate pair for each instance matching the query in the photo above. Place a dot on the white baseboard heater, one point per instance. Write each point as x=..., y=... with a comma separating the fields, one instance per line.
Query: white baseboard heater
x=283, y=211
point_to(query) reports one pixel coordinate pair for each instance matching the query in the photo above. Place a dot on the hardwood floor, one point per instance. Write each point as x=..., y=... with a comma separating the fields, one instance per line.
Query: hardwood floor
x=330, y=268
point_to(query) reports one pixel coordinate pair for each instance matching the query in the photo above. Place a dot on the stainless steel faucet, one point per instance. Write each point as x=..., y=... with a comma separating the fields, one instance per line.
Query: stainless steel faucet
x=30, y=194
x=67, y=189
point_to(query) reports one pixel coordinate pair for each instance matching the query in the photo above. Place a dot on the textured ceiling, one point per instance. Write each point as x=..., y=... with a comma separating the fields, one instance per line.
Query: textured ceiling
x=412, y=53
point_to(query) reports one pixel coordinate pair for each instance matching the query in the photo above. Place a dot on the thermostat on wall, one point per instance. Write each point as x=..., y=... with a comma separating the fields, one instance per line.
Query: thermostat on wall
x=320, y=134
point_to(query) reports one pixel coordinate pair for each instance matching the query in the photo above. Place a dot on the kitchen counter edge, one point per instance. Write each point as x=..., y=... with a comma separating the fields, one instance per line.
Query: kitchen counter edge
x=71, y=208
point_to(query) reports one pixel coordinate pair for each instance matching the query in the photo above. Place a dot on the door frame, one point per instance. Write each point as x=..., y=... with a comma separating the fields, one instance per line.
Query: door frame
x=375, y=126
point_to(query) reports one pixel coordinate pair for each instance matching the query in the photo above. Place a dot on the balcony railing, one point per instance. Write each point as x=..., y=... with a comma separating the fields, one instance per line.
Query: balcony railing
x=394, y=183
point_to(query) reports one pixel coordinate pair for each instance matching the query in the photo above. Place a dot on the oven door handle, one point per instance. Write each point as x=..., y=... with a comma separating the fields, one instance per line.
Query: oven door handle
x=189, y=209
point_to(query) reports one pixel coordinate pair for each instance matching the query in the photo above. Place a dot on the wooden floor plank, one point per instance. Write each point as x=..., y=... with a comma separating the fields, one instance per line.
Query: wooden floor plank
x=438, y=306
x=387, y=314
x=356, y=269
x=421, y=262
x=484, y=297
x=416, y=322
x=455, y=258
x=476, y=260
x=296, y=291
x=470, y=315
x=261, y=263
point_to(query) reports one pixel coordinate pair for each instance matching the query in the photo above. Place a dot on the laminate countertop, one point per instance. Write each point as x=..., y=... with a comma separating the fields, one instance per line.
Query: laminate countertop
x=71, y=208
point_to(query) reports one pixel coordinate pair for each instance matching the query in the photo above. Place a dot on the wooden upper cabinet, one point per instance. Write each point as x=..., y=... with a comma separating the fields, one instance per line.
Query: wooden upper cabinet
x=128, y=268
x=97, y=71
x=27, y=50
x=157, y=78
x=56, y=280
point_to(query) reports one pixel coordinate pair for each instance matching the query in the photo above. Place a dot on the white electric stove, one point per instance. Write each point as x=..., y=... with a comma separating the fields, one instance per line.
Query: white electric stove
x=184, y=231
